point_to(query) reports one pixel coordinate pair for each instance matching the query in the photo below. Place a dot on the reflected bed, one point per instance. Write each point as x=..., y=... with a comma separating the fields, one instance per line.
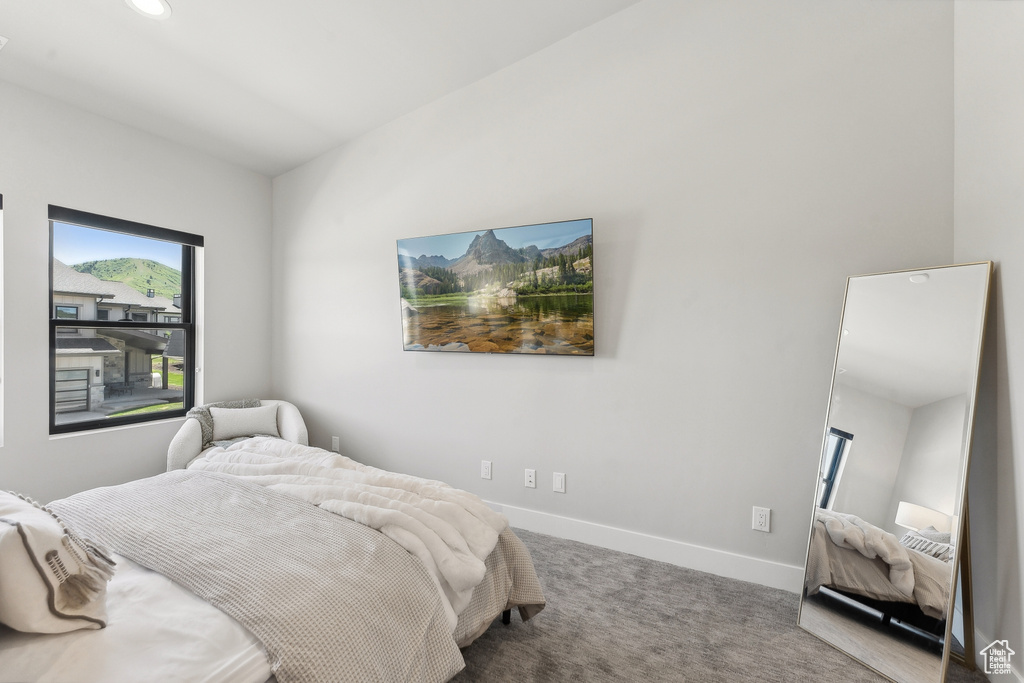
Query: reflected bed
x=869, y=580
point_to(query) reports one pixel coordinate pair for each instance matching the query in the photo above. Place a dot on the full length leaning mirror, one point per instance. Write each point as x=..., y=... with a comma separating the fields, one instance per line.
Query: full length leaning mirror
x=889, y=513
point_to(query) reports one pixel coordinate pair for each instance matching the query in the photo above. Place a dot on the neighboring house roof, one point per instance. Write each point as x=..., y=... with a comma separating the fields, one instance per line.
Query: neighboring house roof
x=137, y=339
x=84, y=346
x=167, y=305
x=67, y=280
x=126, y=296
x=176, y=344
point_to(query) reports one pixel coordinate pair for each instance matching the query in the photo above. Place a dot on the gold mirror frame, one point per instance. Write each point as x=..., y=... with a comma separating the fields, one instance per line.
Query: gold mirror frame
x=843, y=620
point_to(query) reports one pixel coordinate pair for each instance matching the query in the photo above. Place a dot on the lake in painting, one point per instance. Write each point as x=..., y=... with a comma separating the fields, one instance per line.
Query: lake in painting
x=527, y=289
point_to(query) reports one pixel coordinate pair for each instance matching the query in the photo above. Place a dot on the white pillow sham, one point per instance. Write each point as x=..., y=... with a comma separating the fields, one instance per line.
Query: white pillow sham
x=231, y=423
x=933, y=534
x=50, y=580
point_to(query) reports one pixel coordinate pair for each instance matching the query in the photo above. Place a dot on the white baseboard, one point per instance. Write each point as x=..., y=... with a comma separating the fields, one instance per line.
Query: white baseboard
x=720, y=562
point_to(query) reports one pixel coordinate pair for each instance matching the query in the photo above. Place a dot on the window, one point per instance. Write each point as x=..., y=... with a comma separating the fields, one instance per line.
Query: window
x=66, y=313
x=837, y=445
x=122, y=326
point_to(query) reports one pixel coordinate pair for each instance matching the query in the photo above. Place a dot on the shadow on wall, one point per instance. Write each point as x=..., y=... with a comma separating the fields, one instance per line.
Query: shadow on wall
x=610, y=297
x=994, y=543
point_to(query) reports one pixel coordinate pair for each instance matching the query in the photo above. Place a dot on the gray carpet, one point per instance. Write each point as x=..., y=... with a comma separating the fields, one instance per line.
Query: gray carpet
x=617, y=617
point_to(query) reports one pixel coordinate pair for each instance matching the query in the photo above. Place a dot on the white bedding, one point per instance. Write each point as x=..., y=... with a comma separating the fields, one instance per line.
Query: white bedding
x=853, y=533
x=146, y=612
x=159, y=630
x=451, y=531
x=850, y=571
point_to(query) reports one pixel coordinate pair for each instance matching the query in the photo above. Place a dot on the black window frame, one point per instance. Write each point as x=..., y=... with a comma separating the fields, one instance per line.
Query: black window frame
x=843, y=442
x=189, y=243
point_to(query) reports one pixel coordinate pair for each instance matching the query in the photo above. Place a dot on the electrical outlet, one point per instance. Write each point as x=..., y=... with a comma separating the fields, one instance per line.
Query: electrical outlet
x=485, y=469
x=336, y=444
x=531, y=479
x=558, y=482
x=762, y=519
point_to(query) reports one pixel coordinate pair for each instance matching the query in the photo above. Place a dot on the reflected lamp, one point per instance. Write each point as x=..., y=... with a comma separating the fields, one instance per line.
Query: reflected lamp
x=917, y=517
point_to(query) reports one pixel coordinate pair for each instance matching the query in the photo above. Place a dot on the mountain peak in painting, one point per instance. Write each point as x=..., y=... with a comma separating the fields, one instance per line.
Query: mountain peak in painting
x=484, y=251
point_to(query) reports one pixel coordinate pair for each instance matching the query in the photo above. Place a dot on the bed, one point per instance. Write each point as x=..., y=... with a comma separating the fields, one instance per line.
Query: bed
x=261, y=558
x=907, y=579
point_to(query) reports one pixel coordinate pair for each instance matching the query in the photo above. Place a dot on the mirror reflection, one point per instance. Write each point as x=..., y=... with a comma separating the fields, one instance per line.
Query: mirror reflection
x=883, y=549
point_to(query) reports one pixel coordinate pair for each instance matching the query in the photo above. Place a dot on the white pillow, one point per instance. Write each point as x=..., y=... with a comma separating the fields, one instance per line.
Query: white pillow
x=933, y=534
x=915, y=541
x=50, y=580
x=230, y=423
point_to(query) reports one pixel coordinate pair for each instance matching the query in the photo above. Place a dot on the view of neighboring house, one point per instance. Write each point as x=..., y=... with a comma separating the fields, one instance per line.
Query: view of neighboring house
x=100, y=370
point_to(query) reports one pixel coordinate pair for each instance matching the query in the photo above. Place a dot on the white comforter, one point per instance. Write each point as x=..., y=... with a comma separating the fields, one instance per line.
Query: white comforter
x=850, y=531
x=451, y=531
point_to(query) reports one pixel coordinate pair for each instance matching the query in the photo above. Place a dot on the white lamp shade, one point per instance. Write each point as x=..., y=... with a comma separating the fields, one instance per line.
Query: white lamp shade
x=917, y=517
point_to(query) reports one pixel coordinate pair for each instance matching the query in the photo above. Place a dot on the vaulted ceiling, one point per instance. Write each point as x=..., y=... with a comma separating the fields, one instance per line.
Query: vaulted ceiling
x=269, y=84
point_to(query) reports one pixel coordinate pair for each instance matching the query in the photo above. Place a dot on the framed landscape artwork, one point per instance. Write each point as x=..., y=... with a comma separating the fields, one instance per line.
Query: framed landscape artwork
x=525, y=289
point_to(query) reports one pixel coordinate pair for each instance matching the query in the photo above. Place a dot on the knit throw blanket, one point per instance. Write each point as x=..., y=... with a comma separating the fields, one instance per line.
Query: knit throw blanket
x=852, y=532
x=331, y=600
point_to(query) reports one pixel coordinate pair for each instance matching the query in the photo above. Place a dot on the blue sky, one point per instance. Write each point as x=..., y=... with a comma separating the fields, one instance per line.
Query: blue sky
x=454, y=245
x=74, y=244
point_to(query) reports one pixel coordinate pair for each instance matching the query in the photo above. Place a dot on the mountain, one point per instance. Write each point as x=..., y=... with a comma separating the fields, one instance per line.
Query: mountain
x=139, y=274
x=532, y=253
x=414, y=279
x=486, y=251
x=423, y=261
x=569, y=249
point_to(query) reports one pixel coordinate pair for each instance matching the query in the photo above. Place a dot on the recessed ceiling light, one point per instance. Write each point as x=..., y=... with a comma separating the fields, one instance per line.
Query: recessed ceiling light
x=154, y=9
x=918, y=278
x=3, y=41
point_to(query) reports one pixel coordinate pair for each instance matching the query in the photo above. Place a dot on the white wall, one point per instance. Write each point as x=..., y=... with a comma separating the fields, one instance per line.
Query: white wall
x=55, y=154
x=989, y=214
x=930, y=466
x=739, y=160
x=879, y=427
